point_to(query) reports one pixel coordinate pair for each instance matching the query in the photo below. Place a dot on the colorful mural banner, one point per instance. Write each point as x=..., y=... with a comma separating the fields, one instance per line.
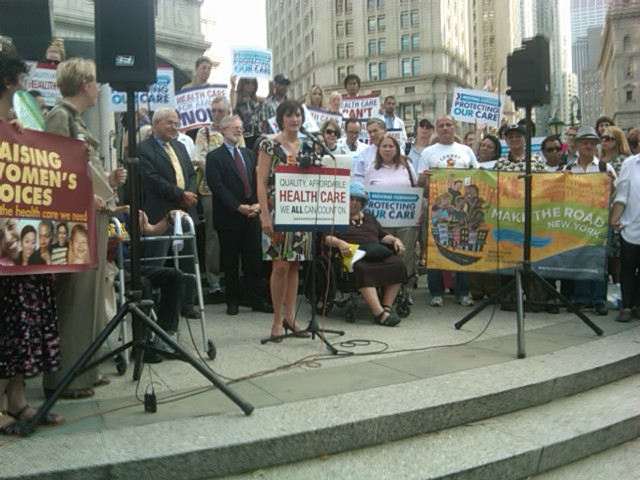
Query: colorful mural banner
x=47, y=222
x=314, y=198
x=159, y=95
x=476, y=222
x=194, y=105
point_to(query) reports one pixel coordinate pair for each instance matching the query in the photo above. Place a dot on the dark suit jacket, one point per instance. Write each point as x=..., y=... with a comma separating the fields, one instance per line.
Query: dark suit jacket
x=228, y=191
x=159, y=189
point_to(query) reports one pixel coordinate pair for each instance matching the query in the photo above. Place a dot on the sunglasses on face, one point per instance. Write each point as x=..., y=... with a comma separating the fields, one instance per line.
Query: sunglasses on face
x=552, y=149
x=328, y=131
x=425, y=124
x=607, y=138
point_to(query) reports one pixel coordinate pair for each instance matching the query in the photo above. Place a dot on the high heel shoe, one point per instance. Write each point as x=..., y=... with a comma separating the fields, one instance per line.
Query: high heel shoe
x=274, y=336
x=297, y=331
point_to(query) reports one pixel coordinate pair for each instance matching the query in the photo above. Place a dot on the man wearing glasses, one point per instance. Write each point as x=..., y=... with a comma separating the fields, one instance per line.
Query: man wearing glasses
x=552, y=151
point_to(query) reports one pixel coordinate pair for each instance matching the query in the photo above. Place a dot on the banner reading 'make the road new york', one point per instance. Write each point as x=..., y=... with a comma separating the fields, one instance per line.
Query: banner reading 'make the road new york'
x=476, y=223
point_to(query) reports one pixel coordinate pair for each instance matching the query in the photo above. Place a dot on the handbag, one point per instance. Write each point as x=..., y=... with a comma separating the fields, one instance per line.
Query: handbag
x=375, y=251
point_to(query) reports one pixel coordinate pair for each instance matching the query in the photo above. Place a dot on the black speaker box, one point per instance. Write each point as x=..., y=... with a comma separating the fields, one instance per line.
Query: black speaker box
x=528, y=73
x=126, y=43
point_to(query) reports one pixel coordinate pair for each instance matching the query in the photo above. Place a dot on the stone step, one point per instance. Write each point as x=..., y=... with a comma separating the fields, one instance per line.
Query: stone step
x=512, y=446
x=229, y=443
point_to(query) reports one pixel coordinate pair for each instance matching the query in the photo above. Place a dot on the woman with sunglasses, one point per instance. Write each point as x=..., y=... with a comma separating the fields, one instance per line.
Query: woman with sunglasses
x=248, y=105
x=330, y=131
x=614, y=149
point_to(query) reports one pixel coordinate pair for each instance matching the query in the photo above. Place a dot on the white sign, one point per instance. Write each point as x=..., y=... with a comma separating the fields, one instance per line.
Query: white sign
x=42, y=77
x=363, y=106
x=160, y=94
x=251, y=62
x=314, y=198
x=477, y=106
x=320, y=116
x=194, y=105
x=395, y=206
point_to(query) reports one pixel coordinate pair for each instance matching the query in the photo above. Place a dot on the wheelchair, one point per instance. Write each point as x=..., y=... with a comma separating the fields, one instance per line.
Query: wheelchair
x=334, y=288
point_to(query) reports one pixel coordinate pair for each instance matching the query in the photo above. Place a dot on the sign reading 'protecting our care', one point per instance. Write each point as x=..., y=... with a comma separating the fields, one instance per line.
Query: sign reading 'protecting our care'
x=477, y=106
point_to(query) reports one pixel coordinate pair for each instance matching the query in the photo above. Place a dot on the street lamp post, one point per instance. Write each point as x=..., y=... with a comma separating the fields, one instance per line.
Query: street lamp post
x=555, y=125
x=575, y=102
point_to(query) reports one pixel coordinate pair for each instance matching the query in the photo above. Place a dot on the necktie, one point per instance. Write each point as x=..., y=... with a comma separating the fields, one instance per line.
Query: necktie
x=242, y=171
x=353, y=147
x=176, y=164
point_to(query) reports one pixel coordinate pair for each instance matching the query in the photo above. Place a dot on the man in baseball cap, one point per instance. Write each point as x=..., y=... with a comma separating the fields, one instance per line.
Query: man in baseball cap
x=277, y=94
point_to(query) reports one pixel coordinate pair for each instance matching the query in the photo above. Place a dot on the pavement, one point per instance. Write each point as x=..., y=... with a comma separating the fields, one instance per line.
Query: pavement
x=294, y=386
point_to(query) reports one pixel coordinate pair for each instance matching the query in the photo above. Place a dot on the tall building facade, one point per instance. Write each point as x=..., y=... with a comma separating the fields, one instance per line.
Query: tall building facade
x=416, y=50
x=619, y=63
x=584, y=15
x=494, y=27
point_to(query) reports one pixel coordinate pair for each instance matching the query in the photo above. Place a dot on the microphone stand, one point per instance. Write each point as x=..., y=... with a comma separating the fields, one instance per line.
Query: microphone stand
x=313, y=328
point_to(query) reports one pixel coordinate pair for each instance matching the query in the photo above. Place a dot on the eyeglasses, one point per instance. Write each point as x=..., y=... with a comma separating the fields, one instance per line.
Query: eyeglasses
x=425, y=124
x=328, y=131
x=607, y=138
x=552, y=149
x=218, y=110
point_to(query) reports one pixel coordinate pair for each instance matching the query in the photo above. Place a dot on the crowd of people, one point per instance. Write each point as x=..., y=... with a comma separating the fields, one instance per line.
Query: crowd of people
x=226, y=177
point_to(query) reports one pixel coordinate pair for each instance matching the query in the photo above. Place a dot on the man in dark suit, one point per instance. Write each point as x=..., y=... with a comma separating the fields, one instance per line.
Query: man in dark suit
x=169, y=183
x=231, y=174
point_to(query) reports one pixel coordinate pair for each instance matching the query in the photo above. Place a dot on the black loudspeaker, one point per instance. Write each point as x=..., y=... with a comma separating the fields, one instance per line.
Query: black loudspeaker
x=126, y=43
x=528, y=73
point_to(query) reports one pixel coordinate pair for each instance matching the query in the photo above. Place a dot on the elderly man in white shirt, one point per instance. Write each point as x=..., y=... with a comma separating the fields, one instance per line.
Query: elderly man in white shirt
x=376, y=130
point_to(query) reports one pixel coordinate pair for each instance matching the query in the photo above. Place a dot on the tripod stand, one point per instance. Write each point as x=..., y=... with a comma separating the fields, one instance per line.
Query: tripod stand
x=525, y=270
x=313, y=328
x=141, y=322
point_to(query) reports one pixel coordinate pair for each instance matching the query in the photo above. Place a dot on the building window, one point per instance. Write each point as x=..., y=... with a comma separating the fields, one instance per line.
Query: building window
x=406, y=68
x=415, y=18
x=339, y=6
x=373, y=45
x=348, y=6
x=629, y=95
x=404, y=19
x=371, y=22
x=382, y=70
x=339, y=29
x=411, y=111
x=341, y=75
x=381, y=23
x=415, y=66
x=348, y=27
x=380, y=3
x=371, y=4
x=340, y=51
x=404, y=43
x=373, y=71
x=382, y=46
x=626, y=44
x=350, y=50
x=415, y=41
x=350, y=69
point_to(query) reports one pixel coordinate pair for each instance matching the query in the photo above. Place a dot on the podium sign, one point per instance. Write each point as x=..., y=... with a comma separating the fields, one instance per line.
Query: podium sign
x=311, y=199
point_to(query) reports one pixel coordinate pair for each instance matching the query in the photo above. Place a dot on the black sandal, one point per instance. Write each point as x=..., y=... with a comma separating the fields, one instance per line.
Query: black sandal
x=13, y=427
x=48, y=419
x=389, y=321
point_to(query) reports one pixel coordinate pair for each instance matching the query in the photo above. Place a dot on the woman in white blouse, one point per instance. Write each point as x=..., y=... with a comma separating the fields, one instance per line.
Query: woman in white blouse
x=392, y=169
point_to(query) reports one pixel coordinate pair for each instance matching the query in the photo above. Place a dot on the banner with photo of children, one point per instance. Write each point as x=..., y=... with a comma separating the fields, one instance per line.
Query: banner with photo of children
x=46, y=204
x=476, y=222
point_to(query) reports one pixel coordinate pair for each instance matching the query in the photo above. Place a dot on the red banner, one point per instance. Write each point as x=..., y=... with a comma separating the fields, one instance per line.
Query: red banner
x=47, y=222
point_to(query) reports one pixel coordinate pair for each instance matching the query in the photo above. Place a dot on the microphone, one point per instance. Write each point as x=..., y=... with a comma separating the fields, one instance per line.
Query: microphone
x=310, y=136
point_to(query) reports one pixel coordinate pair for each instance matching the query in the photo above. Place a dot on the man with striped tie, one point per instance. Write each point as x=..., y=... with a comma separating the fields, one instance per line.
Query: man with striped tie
x=168, y=183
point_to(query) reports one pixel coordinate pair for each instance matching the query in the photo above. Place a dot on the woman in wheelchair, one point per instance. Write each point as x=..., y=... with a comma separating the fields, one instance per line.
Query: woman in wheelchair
x=377, y=268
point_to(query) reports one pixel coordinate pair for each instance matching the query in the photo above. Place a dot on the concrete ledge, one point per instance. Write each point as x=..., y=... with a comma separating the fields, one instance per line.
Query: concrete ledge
x=230, y=443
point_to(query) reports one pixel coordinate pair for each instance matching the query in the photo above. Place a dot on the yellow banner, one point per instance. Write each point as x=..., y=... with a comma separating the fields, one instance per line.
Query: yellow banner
x=476, y=222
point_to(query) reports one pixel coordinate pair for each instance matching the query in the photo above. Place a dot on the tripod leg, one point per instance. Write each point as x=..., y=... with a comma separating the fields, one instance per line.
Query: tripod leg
x=519, y=316
x=78, y=367
x=246, y=407
x=558, y=296
x=482, y=305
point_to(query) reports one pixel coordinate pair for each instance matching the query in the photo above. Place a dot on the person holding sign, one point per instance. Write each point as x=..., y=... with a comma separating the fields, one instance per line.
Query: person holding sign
x=285, y=249
x=29, y=340
x=81, y=295
x=379, y=267
x=392, y=169
x=246, y=103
